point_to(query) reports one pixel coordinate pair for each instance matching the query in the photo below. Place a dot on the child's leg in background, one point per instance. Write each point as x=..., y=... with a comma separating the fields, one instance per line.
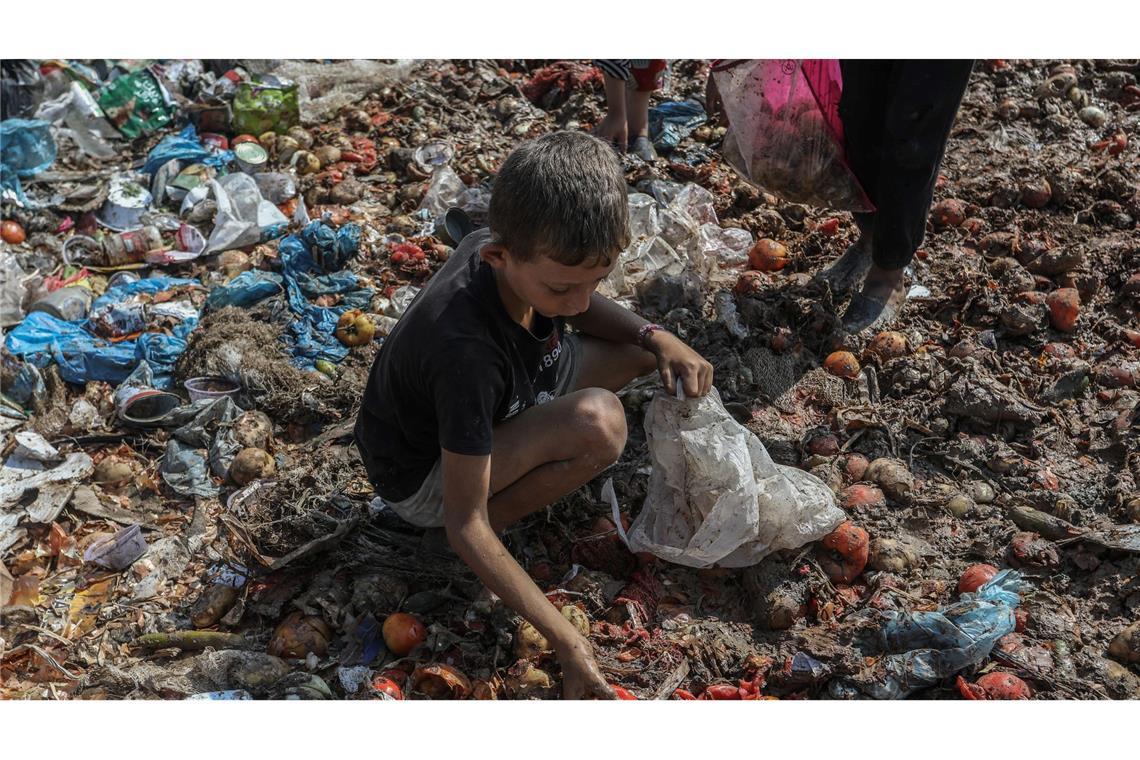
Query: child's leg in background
x=614, y=126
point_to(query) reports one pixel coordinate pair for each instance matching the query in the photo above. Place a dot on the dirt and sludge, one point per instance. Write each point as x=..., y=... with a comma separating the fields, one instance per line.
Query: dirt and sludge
x=994, y=424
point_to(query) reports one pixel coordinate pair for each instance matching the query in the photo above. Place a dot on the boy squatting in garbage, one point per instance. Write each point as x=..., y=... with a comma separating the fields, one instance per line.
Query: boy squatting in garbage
x=480, y=409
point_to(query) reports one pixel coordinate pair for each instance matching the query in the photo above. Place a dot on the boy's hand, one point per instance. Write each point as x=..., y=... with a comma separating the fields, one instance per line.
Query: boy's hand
x=581, y=678
x=675, y=360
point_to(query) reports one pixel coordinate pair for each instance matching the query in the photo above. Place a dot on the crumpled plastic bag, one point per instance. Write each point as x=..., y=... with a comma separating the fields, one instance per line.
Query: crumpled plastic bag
x=785, y=134
x=81, y=356
x=184, y=146
x=12, y=292
x=26, y=149
x=203, y=444
x=244, y=217
x=715, y=496
x=931, y=646
x=673, y=121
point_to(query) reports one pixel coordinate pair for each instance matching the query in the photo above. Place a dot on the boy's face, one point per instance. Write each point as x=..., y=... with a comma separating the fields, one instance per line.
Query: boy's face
x=550, y=288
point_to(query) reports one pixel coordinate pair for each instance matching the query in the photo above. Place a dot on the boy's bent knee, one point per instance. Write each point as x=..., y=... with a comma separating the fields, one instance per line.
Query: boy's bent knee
x=600, y=421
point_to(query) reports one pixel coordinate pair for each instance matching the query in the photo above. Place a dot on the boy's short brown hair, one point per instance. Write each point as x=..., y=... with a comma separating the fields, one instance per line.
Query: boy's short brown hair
x=561, y=195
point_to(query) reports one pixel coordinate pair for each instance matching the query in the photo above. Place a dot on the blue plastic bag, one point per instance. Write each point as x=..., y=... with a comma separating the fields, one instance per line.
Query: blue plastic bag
x=672, y=121
x=26, y=149
x=245, y=290
x=83, y=356
x=184, y=146
x=312, y=265
x=927, y=647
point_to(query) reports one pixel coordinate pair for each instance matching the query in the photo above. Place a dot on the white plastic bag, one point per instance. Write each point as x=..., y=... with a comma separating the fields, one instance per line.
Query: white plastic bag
x=715, y=496
x=242, y=213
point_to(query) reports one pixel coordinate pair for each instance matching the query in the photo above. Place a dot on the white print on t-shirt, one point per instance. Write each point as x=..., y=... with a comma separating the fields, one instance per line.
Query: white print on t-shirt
x=549, y=360
x=543, y=397
x=516, y=407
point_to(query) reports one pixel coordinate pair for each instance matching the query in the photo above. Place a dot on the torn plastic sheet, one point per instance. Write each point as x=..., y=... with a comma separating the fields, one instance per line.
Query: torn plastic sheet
x=18, y=475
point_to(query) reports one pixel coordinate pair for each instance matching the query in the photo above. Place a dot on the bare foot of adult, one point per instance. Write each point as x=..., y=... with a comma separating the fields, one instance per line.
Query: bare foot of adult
x=878, y=303
x=849, y=268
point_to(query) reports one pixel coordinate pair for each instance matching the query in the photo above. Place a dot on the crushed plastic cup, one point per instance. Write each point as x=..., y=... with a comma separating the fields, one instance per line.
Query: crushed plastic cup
x=117, y=552
x=433, y=155
x=211, y=387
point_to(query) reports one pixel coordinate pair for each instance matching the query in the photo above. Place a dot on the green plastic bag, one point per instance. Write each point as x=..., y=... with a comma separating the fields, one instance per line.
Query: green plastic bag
x=136, y=104
x=260, y=108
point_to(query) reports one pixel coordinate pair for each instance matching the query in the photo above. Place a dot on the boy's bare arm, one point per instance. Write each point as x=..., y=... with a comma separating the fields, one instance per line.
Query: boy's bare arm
x=675, y=360
x=608, y=321
x=466, y=481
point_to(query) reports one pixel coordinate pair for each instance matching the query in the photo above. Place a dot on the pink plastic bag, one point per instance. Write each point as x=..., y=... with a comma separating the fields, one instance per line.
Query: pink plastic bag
x=785, y=134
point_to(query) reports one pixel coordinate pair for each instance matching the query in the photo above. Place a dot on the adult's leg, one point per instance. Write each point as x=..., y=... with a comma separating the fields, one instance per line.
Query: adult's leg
x=861, y=108
x=920, y=112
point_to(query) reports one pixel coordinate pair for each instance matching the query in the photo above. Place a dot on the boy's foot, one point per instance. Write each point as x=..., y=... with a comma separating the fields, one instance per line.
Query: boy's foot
x=849, y=268
x=643, y=149
x=878, y=303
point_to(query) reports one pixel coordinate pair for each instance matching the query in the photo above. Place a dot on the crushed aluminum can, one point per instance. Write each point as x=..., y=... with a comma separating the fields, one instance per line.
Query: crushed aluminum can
x=251, y=157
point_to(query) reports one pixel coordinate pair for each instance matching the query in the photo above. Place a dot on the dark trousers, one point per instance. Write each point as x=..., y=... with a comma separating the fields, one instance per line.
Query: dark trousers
x=897, y=117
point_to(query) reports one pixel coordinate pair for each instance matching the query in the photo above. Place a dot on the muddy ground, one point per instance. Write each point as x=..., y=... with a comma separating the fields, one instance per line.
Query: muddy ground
x=1007, y=425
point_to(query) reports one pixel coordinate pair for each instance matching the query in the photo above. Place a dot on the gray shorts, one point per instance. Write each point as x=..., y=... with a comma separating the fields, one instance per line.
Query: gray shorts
x=424, y=508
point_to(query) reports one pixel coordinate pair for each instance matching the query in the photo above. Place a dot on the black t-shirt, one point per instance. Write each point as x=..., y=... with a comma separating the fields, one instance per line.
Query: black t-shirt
x=455, y=366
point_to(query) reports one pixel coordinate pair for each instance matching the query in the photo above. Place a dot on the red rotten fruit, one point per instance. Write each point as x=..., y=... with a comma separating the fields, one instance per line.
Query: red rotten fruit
x=622, y=693
x=403, y=633
x=975, y=577
x=888, y=345
x=387, y=688
x=949, y=212
x=995, y=686
x=1036, y=193
x=12, y=232
x=855, y=467
x=842, y=364
x=824, y=445
x=829, y=227
x=847, y=550
x=862, y=496
x=767, y=255
x=1064, y=308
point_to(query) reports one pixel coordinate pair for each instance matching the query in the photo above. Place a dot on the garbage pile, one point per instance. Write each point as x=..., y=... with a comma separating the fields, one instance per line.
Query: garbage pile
x=201, y=259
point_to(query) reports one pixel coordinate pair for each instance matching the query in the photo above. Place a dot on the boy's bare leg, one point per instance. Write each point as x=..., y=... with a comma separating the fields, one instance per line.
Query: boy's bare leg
x=550, y=450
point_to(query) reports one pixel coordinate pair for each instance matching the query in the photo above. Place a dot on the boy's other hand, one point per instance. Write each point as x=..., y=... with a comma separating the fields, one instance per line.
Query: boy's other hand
x=581, y=678
x=676, y=361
